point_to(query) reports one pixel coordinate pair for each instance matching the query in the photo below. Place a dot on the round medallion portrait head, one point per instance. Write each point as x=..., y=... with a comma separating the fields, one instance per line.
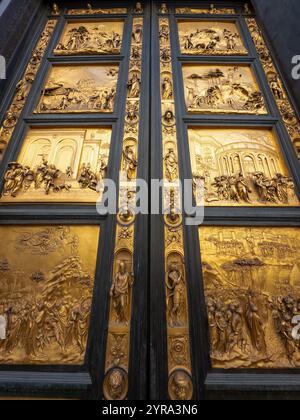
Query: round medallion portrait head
x=173, y=218
x=115, y=385
x=180, y=386
x=168, y=119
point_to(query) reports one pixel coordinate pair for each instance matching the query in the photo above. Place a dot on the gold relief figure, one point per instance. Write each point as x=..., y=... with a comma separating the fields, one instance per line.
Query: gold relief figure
x=13, y=179
x=255, y=325
x=134, y=86
x=240, y=167
x=251, y=278
x=138, y=8
x=130, y=163
x=91, y=38
x=122, y=282
x=87, y=178
x=115, y=385
x=223, y=89
x=180, y=386
x=175, y=284
x=79, y=89
x=56, y=165
x=45, y=301
x=24, y=86
x=167, y=88
x=137, y=33
x=55, y=10
x=164, y=34
x=165, y=55
x=171, y=165
x=210, y=38
x=276, y=87
x=135, y=54
x=20, y=178
x=10, y=120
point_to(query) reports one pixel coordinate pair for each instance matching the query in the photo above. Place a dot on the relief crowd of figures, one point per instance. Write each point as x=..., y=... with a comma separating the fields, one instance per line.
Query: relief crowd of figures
x=238, y=326
x=19, y=178
x=85, y=41
x=212, y=41
x=33, y=326
x=228, y=90
x=237, y=188
x=57, y=97
x=55, y=313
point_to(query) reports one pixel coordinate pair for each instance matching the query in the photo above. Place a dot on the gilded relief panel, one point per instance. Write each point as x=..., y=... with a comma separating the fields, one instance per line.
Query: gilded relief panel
x=251, y=278
x=59, y=165
x=222, y=89
x=46, y=287
x=79, y=88
x=90, y=10
x=85, y=38
x=210, y=38
x=212, y=10
x=240, y=167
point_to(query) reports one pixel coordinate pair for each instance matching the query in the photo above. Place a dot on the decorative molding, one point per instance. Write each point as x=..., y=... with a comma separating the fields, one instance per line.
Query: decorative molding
x=179, y=363
x=115, y=385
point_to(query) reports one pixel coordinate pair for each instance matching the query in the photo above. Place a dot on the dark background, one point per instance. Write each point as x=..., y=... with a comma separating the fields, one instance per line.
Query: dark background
x=281, y=22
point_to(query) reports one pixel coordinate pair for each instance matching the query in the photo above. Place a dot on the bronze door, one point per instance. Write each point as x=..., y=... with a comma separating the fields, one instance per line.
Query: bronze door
x=123, y=304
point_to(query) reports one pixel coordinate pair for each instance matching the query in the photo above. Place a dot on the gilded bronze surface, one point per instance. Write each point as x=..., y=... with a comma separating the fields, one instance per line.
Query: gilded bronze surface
x=179, y=364
x=59, y=165
x=202, y=11
x=79, y=88
x=90, y=10
x=115, y=385
x=222, y=89
x=210, y=38
x=23, y=87
x=251, y=278
x=180, y=386
x=85, y=38
x=285, y=107
x=55, y=11
x=240, y=167
x=47, y=277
